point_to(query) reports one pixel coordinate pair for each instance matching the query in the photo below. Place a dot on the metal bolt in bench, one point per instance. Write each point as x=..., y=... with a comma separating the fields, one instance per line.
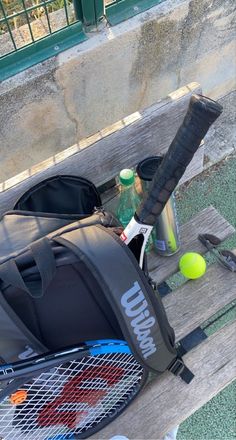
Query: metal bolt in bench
x=166, y=401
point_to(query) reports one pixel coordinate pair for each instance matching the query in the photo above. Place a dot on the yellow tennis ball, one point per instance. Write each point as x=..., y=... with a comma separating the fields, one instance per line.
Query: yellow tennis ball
x=192, y=265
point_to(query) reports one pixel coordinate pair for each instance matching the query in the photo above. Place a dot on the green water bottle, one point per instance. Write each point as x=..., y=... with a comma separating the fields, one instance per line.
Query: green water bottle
x=129, y=198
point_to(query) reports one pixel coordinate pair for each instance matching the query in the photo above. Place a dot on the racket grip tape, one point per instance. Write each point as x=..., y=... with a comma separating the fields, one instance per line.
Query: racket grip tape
x=201, y=114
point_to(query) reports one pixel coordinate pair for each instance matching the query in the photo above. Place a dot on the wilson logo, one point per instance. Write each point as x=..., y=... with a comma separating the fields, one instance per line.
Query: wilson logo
x=136, y=308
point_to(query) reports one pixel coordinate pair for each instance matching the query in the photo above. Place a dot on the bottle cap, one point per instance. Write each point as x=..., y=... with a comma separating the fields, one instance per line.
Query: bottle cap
x=126, y=177
x=147, y=167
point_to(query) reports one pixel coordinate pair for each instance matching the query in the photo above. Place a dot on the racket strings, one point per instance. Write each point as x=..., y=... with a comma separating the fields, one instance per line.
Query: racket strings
x=71, y=398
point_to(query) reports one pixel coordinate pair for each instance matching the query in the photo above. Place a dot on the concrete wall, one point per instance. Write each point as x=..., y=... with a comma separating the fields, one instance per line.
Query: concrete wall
x=117, y=71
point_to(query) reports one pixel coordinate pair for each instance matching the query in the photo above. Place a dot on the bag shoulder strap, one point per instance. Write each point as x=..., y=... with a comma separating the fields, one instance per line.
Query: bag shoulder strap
x=128, y=293
x=16, y=341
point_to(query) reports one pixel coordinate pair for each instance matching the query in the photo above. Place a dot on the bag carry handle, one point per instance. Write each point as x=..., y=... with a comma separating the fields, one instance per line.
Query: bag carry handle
x=45, y=261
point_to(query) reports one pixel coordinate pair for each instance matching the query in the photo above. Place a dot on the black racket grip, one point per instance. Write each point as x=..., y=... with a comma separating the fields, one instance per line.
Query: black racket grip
x=201, y=114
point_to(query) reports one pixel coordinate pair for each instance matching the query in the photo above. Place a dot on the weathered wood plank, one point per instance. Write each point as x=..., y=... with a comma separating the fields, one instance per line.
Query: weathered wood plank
x=206, y=221
x=195, y=167
x=197, y=300
x=100, y=157
x=167, y=401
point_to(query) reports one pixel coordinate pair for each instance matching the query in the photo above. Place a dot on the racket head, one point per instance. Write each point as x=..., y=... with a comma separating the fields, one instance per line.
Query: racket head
x=75, y=398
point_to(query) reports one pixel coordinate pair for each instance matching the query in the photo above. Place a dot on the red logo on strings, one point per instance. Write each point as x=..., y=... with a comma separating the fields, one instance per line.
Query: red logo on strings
x=76, y=391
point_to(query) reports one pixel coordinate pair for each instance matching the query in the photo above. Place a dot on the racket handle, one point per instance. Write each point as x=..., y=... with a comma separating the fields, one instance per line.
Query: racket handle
x=201, y=114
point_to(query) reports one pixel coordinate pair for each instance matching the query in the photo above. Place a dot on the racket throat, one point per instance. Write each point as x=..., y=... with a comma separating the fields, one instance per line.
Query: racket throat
x=135, y=229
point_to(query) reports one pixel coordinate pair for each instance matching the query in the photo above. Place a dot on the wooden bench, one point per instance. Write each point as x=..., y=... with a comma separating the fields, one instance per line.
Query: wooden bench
x=167, y=401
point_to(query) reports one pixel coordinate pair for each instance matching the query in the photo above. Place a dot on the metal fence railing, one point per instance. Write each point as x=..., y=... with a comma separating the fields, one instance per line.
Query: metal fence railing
x=33, y=30
x=120, y=10
x=23, y=22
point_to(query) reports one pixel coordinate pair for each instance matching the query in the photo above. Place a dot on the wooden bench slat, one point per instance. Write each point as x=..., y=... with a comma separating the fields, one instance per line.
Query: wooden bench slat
x=196, y=301
x=206, y=221
x=100, y=157
x=195, y=167
x=167, y=401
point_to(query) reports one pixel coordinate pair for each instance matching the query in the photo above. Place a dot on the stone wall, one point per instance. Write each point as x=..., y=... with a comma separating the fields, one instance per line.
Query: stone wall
x=117, y=71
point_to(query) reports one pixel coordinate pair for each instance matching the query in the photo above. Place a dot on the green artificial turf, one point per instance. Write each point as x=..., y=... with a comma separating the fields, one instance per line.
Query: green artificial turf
x=217, y=419
x=214, y=421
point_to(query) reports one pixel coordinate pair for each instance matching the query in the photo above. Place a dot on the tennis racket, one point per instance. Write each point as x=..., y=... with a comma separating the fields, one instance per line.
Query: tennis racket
x=68, y=394
x=201, y=114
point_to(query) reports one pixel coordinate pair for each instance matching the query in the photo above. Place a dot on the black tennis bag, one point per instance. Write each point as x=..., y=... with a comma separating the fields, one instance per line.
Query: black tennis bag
x=68, y=278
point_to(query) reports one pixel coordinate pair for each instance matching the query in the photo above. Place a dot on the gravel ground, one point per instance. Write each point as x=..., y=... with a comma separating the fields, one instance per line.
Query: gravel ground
x=217, y=186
